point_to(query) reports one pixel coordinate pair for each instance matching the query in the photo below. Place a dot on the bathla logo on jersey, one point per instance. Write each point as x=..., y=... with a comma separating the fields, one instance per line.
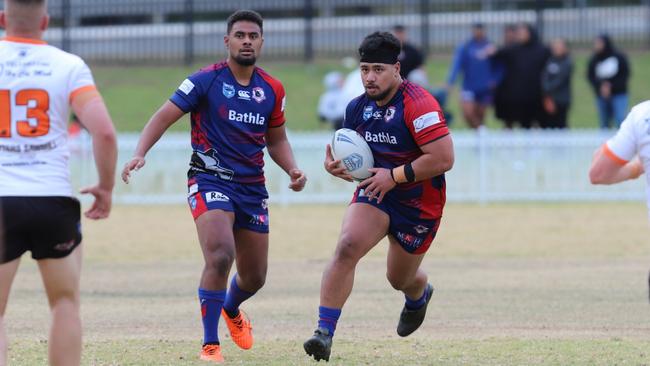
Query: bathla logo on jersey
x=250, y=117
x=382, y=137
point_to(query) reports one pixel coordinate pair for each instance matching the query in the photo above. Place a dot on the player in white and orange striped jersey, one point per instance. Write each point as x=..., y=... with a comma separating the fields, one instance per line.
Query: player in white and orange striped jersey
x=39, y=84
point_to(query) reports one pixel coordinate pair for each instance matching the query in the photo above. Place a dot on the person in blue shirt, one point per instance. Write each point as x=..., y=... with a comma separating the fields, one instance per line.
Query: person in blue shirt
x=237, y=109
x=473, y=61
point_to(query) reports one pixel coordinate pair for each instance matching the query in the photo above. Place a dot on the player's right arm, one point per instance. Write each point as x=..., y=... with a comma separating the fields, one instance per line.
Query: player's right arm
x=332, y=165
x=606, y=170
x=185, y=99
x=166, y=116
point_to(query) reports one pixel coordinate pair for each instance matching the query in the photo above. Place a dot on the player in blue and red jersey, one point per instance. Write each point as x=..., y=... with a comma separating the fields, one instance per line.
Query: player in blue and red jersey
x=406, y=131
x=236, y=109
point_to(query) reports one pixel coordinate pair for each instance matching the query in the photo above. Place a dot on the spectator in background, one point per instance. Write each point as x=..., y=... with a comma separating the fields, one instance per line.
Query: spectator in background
x=498, y=71
x=473, y=61
x=608, y=73
x=411, y=58
x=556, y=85
x=509, y=34
x=520, y=89
x=331, y=106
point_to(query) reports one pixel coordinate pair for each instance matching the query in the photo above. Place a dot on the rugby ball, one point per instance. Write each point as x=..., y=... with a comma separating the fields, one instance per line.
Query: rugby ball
x=353, y=151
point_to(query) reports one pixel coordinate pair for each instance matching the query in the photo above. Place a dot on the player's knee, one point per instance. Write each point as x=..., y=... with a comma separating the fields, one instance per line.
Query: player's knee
x=398, y=282
x=67, y=305
x=253, y=281
x=220, y=261
x=347, y=249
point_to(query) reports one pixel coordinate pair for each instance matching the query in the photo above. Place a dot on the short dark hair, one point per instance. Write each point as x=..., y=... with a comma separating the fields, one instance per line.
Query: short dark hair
x=399, y=28
x=245, y=15
x=383, y=42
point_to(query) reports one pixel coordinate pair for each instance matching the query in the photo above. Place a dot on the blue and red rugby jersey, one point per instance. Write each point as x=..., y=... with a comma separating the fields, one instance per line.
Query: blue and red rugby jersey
x=395, y=132
x=229, y=121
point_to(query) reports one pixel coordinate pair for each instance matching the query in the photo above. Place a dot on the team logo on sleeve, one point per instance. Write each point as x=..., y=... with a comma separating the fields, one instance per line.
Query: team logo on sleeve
x=426, y=120
x=390, y=113
x=258, y=94
x=186, y=86
x=228, y=90
x=367, y=113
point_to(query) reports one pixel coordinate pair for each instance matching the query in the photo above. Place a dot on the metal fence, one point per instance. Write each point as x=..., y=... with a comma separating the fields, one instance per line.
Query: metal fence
x=490, y=166
x=184, y=30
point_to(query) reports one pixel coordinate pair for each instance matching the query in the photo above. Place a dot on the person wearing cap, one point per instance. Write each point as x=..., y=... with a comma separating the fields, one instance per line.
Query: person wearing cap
x=403, y=200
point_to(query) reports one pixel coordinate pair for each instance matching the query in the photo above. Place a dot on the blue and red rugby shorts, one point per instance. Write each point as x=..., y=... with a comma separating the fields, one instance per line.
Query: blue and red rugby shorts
x=249, y=202
x=412, y=231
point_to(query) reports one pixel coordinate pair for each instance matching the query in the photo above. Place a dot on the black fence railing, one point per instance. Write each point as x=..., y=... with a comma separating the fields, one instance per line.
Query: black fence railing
x=184, y=30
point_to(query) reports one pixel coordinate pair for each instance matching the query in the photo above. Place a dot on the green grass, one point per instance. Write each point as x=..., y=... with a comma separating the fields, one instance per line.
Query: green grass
x=493, y=351
x=565, y=285
x=133, y=93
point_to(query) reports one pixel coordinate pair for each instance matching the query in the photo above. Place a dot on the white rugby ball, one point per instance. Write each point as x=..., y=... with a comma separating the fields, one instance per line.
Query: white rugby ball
x=353, y=151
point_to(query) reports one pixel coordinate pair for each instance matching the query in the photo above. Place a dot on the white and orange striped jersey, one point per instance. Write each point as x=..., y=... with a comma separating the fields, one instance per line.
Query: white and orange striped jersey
x=633, y=138
x=37, y=85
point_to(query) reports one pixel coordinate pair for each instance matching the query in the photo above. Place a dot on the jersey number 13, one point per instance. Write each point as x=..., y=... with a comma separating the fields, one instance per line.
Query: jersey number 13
x=37, y=102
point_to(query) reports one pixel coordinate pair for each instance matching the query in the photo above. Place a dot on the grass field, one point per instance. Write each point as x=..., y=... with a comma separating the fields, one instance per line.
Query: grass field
x=133, y=93
x=517, y=284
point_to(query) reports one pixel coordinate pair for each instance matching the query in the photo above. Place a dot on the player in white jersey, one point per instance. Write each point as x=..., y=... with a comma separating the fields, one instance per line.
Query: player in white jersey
x=38, y=85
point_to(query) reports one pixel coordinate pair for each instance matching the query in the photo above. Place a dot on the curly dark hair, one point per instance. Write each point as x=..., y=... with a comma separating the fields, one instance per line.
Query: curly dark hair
x=383, y=42
x=245, y=15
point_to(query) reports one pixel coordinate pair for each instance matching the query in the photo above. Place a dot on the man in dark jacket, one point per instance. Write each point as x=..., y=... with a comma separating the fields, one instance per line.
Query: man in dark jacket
x=520, y=89
x=556, y=85
x=411, y=58
x=608, y=73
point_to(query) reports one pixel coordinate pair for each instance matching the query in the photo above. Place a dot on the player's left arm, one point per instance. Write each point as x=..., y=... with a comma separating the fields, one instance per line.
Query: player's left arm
x=425, y=120
x=280, y=151
x=437, y=158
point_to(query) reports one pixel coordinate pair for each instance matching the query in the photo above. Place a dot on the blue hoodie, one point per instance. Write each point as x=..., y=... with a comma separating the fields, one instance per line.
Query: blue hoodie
x=475, y=64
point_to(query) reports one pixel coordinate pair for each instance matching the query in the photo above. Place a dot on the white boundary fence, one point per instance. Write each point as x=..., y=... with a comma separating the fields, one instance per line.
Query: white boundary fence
x=490, y=166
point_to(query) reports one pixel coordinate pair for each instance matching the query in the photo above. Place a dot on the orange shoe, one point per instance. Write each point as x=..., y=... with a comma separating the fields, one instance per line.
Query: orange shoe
x=240, y=329
x=212, y=353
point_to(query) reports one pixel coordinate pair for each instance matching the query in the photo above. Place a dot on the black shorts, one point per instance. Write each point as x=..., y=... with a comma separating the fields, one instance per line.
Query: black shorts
x=49, y=227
